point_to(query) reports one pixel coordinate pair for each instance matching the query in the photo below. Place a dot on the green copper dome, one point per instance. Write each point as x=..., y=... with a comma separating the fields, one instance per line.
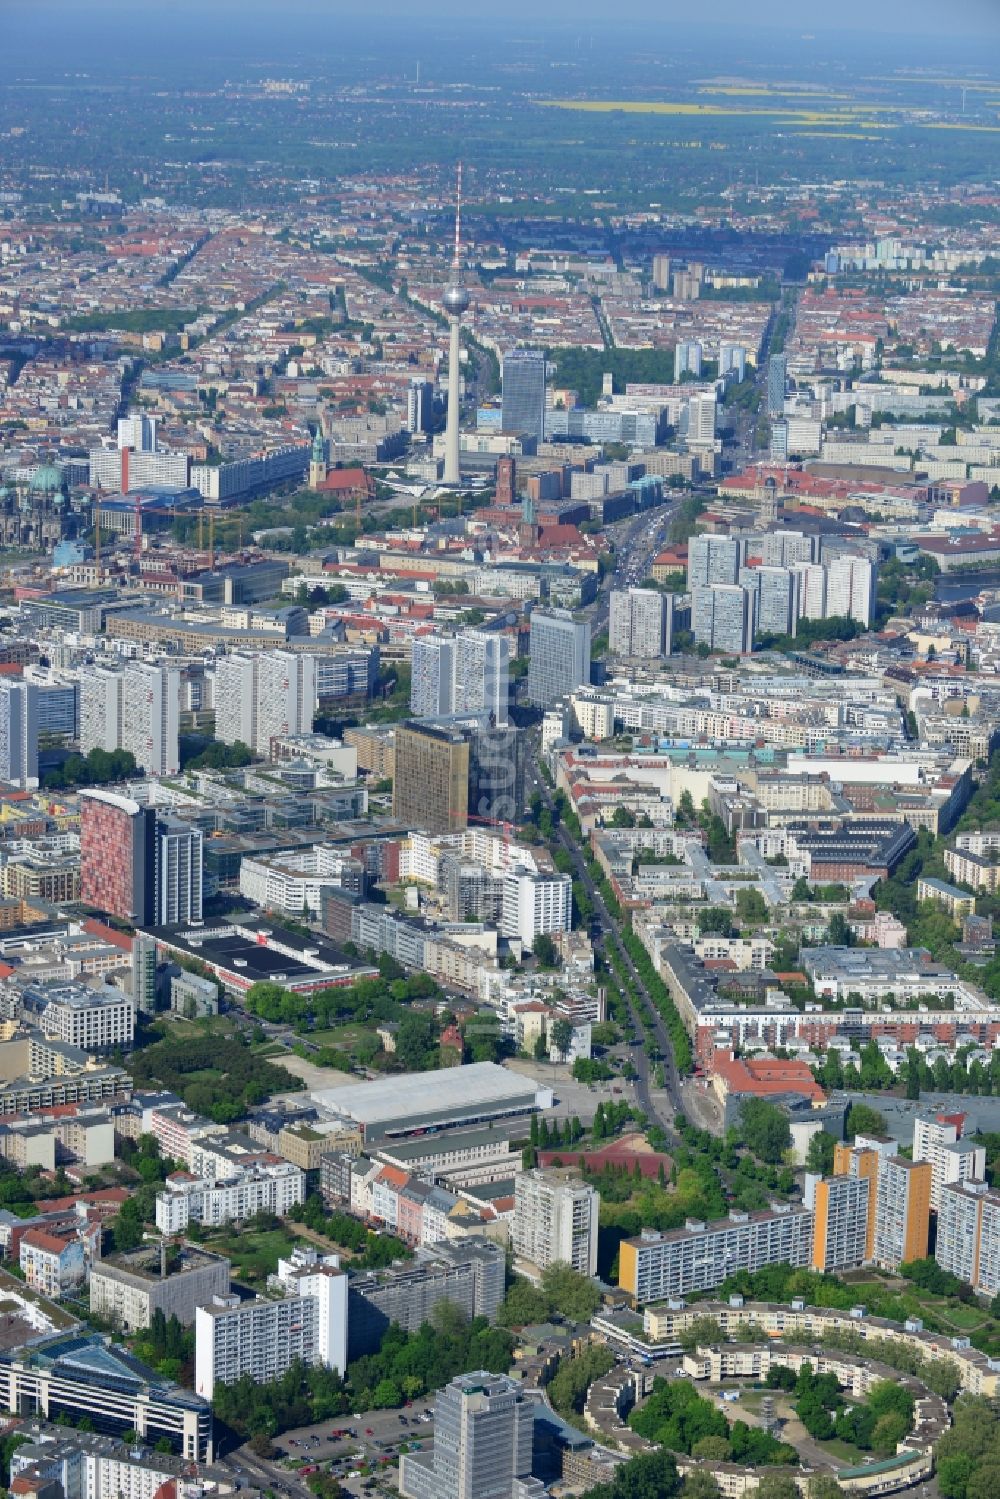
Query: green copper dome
x=46, y=479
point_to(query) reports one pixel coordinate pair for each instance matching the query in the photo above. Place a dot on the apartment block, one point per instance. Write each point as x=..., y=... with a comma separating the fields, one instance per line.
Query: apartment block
x=637, y=622
x=128, y=1288
x=952, y=1158
x=469, y=1275
x=968, y=1235
x=263, y=1338
x=274, y=1188
x=555, y=1220
x=151, y=716
x=902, y=1212
x=840, y=1221
x=701, y=1255
x=95, y=1020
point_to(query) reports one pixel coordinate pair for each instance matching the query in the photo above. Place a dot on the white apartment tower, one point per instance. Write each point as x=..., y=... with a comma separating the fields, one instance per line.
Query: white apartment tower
x=555, y=1220
x=465, y=673
x=264, y=1338
x=151, y=715
x=432, y=678
x=19, y=733
x=534, y=904
x=638, y=622
x=101, y=690
x=952, y=1159
x=263, y=695
x=850, y=588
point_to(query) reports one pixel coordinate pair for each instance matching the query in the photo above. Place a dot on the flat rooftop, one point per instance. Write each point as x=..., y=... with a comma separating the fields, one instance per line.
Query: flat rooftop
x=414, y=1093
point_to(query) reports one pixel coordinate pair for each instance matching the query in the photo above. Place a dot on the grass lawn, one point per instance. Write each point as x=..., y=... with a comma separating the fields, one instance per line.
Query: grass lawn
x=966, y=1317
x=174, y=1027
x=845, y=1452
x=344, y=1036
x=254, y=1255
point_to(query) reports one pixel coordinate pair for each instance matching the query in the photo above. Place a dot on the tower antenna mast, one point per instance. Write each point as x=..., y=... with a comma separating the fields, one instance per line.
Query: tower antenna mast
x=456, y=302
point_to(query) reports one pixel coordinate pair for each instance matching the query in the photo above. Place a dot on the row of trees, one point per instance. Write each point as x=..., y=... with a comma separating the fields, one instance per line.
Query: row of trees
x=370, y=1251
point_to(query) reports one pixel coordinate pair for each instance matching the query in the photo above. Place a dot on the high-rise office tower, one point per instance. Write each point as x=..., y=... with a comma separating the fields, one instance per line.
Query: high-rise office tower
x=560, y=655
x=136, y=865
x=555, y=1220
x=637, y=622
x=497, y=773
x=482, y=1444
x=118, y=856
x=419, y=405
x=101, y=708
x=430, y=787
x=701, y=415
x=523, y=398
x=777, y=380
x=151, y=716
x=19, y=711
x=850, y=588
x=456, y=303
x=263, y=695
x=713, y=559
x=687, y=360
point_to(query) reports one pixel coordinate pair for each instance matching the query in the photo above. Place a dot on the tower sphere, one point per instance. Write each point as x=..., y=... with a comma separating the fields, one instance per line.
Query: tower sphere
x=455, y=300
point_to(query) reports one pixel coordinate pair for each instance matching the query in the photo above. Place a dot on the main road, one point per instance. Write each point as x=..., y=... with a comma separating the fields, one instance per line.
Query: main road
x=605, y=930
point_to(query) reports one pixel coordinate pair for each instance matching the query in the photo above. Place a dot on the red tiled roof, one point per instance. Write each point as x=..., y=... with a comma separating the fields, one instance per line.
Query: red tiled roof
x=37, y=1238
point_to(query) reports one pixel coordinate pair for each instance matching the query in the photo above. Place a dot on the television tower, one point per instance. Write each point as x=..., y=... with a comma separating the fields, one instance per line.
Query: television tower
x=455, y=301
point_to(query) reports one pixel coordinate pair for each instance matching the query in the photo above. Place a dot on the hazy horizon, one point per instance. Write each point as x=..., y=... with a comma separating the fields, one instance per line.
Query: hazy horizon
x=852, y=20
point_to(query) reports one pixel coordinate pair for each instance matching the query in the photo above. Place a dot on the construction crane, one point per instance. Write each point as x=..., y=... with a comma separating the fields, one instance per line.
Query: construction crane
x=211, y=541
x=137, y=530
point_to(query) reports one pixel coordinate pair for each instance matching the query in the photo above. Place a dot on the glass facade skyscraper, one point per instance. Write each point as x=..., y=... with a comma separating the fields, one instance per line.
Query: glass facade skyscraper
x=560, y=655
x=524, y=392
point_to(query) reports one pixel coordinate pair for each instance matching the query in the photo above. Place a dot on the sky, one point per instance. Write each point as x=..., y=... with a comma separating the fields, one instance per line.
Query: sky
x=903, y=18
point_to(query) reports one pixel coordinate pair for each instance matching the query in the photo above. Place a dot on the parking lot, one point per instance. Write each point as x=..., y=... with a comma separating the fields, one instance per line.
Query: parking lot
x=370, y=1437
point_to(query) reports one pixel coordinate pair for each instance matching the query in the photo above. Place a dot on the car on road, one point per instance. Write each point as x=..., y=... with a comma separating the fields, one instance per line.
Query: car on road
x=369, y=1432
